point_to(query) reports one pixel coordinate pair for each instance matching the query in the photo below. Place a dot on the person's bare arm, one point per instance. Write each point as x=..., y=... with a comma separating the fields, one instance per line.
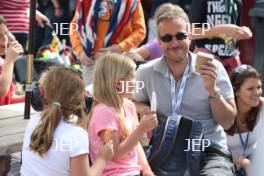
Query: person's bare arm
x=121, y=147
x=142, y=160
x=6, y=77
x=234, y=31
x=224, y=111
x=146, y=170
x=56, y=3
x=58, y=10
x=143, y=52
x=79, y=165
x=12, y=53
x=41, y=19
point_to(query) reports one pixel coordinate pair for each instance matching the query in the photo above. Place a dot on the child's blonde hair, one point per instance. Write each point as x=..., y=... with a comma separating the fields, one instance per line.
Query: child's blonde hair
x=63, y=90
x=109, y=69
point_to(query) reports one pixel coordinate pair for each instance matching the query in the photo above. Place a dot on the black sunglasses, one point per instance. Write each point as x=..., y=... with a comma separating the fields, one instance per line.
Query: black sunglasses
x=178, y=36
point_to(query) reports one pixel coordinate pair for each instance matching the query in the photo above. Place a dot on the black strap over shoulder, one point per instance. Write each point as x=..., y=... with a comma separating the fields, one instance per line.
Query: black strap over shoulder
x=194, y=156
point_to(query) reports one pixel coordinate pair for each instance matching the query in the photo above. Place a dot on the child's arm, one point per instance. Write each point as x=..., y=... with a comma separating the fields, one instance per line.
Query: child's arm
x=12, y=54
x=80, y=165
x=146, y=170
x=147, y=123
x=6, y=77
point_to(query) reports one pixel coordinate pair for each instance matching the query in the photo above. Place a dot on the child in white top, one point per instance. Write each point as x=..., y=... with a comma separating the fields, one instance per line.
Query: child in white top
x=52, y=144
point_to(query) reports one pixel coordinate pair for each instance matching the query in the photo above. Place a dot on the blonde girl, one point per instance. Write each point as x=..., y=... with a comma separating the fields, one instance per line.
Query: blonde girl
x=52, y=144
x=113, y=116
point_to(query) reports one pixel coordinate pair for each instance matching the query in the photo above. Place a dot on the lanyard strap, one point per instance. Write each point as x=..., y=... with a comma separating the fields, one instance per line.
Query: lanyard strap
x=244, y=144
x=176, y=102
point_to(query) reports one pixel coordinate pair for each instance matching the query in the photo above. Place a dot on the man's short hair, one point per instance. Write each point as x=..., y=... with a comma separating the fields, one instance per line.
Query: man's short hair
x=2, y=20
x=168, y=11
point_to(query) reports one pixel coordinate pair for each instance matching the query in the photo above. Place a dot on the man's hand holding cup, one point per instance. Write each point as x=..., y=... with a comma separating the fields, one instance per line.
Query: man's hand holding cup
x=207, y=69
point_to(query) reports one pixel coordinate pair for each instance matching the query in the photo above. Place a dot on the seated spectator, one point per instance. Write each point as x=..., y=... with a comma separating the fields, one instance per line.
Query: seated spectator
x=11, y=52
x=114, y=116
x=53, y=145
x=206, y=97
x=242, y=136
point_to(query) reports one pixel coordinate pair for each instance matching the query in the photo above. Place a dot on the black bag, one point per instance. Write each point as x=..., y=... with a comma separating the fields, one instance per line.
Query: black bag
x=166, y=152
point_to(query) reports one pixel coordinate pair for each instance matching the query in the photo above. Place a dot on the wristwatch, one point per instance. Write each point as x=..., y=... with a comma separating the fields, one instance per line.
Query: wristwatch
x=217, y=95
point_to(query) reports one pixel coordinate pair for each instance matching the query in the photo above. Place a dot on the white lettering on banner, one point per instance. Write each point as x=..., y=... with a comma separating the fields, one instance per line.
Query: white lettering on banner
x=218, y=12
x=220, y=49
x=215, y=19
x=215, y=7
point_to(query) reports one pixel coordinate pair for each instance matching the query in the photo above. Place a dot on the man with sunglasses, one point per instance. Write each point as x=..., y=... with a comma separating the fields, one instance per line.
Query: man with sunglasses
x=206, y=97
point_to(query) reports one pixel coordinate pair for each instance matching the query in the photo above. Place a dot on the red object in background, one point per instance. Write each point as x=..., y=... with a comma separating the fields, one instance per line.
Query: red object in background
x=4, y=100
x=247, y=47
x=10, y=98
x=19, y=99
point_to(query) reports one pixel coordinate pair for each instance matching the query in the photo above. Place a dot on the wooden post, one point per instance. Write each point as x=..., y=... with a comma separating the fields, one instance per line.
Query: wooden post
x=30, y=58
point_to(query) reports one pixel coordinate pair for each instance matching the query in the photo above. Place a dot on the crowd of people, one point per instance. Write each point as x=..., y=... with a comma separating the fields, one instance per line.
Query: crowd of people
x=223, y=96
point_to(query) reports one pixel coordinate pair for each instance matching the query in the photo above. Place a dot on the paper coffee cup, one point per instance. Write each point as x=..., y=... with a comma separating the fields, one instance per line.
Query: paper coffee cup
x=201, y=59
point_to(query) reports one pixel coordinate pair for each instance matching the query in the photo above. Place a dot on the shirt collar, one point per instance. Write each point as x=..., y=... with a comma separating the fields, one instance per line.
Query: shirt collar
x=163, y=68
